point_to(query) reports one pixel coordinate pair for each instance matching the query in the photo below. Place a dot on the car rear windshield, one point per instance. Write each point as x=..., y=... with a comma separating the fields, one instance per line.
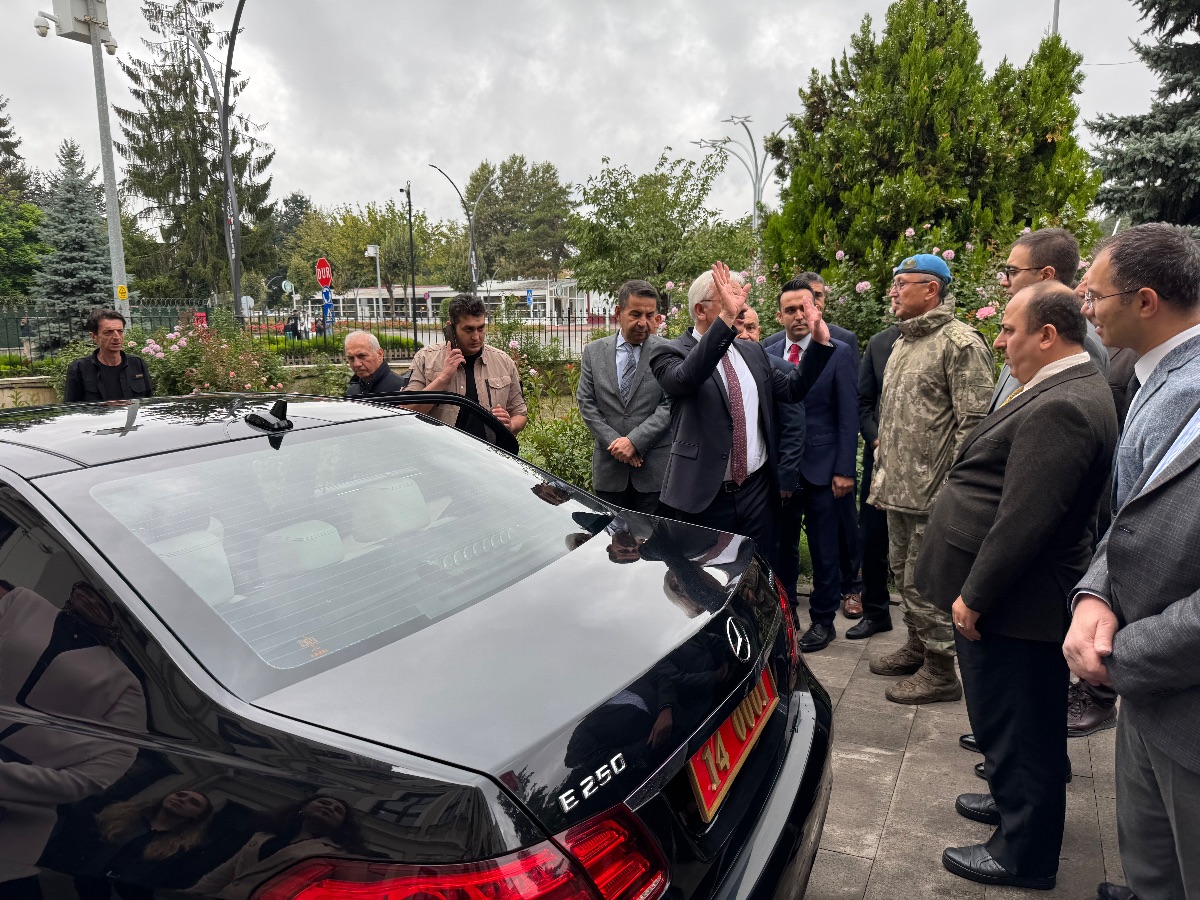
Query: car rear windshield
x=271, y=563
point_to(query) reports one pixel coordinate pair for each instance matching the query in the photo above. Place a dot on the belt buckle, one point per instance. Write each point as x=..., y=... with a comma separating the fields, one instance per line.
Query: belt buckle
x=730, y=487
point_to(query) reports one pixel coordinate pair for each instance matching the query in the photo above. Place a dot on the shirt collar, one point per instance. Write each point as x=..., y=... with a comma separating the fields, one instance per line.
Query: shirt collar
x=1145, y=366
x=1059, y=365
x=621, y=341
x=803, y=342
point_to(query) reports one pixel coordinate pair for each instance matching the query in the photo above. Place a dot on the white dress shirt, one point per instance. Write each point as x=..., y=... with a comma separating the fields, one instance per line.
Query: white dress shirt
x=1145, y=366
x=803, y=342
x=756, y=452
x=1061, y=365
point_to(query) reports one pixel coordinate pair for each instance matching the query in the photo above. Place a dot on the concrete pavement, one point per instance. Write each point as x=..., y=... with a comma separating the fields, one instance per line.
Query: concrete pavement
x=897, y=770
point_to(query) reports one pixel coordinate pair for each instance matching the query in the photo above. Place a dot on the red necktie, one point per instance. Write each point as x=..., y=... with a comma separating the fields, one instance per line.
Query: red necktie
x=737, y=465
x=794, y=355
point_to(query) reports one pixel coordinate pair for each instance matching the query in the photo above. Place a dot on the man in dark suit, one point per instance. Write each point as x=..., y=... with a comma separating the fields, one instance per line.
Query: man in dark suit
x=1136, y=613
x=877, y=614
x=826, y=470
x=1010, y=533
x=850, y=537
x=724, y=446
x=624, y=407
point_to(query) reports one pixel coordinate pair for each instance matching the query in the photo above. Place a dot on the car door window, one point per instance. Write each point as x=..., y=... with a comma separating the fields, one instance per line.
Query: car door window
x=61, y=675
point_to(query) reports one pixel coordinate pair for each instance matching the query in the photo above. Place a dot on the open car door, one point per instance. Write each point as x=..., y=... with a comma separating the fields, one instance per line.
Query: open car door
x=472, y=418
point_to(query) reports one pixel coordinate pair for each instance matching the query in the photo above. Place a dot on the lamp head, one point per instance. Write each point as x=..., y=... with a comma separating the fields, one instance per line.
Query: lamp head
x=42, y=26
x=111, y=47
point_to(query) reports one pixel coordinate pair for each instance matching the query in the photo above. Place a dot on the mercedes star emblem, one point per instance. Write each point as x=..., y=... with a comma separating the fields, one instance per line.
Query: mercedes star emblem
x=739, y=641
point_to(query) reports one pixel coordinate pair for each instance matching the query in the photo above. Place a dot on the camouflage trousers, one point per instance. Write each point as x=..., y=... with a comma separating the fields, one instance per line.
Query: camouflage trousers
x=932, y=626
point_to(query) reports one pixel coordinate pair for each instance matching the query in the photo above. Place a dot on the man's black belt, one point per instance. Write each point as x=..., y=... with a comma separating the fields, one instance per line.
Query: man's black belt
x=732, y=487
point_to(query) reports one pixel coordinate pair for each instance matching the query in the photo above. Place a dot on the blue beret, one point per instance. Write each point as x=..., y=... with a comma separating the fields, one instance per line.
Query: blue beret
x=926, y=264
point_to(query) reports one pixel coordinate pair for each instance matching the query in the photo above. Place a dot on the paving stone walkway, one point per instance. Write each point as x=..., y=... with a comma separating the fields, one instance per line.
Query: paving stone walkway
x=897, y=770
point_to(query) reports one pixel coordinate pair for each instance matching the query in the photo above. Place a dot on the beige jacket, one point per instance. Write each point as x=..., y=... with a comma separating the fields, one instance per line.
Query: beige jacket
x=496, y=380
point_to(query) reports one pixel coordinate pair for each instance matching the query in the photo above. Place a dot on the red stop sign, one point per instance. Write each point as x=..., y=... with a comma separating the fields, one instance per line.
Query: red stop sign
x=324, y=272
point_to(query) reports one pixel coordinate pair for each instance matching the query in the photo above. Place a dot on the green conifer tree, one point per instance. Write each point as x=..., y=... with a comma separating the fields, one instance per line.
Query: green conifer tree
x=908, y=129
x=14, y=175
x=173, y=157
x=76, y=277
x=1151, y=162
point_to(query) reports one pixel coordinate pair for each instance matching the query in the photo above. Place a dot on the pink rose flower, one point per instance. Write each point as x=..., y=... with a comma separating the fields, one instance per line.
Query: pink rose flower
x=985, y=312
x=233, y=374
x=863, y=286
x=968, y=246
x=1026, y=230
x=513, y=345
x=761, y=279
x=674, y=309
x=160, y=355
x=670, y=285
x=910, y=232
x=840, y=255
x=947, y=254
x=1083, y=264
x=937, y=250
x=927, y=225
x=247, y=387
x=533, y=372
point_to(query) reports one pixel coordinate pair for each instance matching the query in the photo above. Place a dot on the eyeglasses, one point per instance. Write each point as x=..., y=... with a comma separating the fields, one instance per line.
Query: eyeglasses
x=897, y=284
x=1090, y=299
x=1009, y=271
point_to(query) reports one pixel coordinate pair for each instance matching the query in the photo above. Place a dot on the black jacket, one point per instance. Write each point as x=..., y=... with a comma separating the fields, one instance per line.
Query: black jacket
x=382, y=381
x=84, y=384
x=1011, y=530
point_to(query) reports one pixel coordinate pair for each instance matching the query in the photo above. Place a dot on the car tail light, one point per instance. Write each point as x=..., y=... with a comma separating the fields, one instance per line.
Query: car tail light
x=793, y=647
x=619, y=856
x=621, y=860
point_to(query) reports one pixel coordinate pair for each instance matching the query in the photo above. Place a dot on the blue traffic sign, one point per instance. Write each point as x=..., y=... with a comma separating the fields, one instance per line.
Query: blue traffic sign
x=529, y=296
x=327, y=294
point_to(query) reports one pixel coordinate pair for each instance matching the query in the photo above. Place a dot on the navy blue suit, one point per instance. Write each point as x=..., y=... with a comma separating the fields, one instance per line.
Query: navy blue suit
x=830, y=447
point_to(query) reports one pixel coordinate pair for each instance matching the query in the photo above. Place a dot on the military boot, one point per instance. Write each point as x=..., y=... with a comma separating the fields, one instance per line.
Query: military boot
x=934, y=682
x=904, y=661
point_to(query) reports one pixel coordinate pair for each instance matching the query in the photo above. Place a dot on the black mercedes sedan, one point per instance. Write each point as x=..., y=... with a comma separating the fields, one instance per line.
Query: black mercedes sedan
x=325, y=650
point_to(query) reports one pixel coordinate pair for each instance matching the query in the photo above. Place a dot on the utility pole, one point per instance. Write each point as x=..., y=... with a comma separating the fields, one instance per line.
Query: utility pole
x=412, y=265
x=93, y=29
x=1054, y=19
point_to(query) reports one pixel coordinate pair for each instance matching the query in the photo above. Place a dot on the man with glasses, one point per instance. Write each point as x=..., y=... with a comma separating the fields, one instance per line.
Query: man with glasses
x=1136, y=613
x=936, y=388
x=1048, y=254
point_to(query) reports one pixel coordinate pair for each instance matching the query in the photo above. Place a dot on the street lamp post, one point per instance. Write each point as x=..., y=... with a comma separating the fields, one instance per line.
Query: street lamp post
x=470, y=222
x=755, y=166
x=412, y=265
x=92, y=28
x=1054, y=20
x=373, y=250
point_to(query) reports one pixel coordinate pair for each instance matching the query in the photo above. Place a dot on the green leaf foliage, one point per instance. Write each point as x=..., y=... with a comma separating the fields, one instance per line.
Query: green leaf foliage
x=907, y=128
x=1151, y=161
x=654, y=226
x=20, y=249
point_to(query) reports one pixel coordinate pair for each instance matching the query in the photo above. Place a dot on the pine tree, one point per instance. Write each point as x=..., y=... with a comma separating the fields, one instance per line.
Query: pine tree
x=173, y=157
x=909, y=129
x=76, y=277
x=14, y=176
x=1151, y=162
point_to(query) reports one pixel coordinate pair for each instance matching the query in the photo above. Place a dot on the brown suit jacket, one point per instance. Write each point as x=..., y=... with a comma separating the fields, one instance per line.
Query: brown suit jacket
x=1012, y=529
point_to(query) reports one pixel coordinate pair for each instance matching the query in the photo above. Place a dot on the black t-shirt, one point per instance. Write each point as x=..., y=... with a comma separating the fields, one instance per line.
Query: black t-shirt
x=469, y=369
x=110, y=382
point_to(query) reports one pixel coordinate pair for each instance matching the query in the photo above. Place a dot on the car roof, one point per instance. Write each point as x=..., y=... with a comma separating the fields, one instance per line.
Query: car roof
x=93, y=434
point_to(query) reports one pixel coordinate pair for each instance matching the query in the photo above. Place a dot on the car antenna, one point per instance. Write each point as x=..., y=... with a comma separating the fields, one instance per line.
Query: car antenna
x=274, y=421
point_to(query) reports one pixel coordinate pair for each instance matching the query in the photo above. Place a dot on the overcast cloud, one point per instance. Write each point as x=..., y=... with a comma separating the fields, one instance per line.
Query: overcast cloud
x=358, y=96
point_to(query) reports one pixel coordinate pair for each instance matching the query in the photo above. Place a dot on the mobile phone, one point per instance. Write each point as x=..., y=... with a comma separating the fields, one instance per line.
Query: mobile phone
x=451, y=337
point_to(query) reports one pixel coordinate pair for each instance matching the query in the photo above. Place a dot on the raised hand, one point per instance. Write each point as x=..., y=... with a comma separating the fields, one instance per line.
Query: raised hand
x=816, y=325
x=731, y=296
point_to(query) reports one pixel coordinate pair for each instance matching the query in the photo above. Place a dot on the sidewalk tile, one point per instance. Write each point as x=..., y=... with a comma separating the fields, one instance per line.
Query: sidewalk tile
x=864, y=779
x=838, y=876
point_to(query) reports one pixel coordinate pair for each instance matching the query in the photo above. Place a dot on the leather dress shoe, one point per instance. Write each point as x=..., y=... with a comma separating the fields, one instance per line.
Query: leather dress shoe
x=816, y=638
x=982, y=774
x=968, y=742
x=866, y=628
x=1106, y=890
x=978, y=808
x=1084, y=715
x=975, y=864
x=852, y=605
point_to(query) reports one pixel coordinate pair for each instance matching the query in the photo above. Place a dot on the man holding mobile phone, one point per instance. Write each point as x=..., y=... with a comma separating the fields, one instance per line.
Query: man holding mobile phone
x=467, y=365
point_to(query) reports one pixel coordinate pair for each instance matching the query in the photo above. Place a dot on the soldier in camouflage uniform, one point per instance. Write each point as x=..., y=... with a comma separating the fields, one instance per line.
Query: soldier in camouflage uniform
x=936, y=388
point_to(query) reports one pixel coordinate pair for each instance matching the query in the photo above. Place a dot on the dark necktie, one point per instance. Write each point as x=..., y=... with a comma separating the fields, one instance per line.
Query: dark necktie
x=794, y=355
x=737, y=464
x=626, y=381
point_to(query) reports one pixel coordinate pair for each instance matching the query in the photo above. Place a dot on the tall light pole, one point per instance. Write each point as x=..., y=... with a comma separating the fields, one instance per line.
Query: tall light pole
x=87, y=21
x=470, y=222
x=412, y=265
x=373, y=250
x=1054, y=19
x=747, y=156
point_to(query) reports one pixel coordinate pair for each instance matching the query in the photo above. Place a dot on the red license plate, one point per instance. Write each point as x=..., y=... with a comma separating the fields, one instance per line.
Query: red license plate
x=713, y=767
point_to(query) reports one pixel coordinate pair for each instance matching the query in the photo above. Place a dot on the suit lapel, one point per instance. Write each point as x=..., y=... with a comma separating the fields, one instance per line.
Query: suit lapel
x=1021, y=400
x=1187, y=458
x=1180, y=356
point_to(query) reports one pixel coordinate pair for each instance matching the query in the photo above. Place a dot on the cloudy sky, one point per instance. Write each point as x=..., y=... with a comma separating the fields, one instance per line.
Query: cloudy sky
x=358, y=96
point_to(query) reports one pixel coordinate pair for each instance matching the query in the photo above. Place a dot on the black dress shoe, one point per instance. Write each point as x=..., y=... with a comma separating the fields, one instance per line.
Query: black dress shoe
x=1106, y=890
x=978, y=808
x=982, y=774
x=866, y=628
x=975, y=864
x=968, y=742
x=816, y=638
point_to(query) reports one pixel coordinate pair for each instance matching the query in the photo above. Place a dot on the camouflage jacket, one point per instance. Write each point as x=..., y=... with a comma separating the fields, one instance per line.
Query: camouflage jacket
x=936, y=387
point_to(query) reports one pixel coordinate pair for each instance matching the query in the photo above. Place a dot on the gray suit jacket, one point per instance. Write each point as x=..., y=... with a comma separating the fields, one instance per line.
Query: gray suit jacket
x=1148, y=569
x=1012, y=528
x=1006, y=384
x=644, y=420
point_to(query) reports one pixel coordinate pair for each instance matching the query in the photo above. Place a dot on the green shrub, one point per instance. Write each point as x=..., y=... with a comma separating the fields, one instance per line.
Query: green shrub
x=330, y=346
x=561, y=445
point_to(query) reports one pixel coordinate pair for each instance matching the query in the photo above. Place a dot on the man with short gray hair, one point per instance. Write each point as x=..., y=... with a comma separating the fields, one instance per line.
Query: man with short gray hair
x=372, y=375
